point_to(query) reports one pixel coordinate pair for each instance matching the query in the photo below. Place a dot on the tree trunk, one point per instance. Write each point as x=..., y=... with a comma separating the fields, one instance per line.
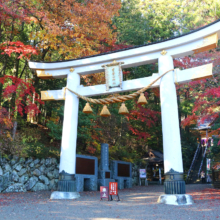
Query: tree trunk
x=15, y=124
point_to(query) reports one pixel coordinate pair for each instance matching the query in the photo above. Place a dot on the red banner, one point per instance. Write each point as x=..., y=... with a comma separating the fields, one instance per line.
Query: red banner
x=113, y=188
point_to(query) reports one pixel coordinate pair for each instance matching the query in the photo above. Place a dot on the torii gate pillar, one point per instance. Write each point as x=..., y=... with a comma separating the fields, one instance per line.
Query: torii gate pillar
x=174, y=184
x=173, y=165
x=67, y=180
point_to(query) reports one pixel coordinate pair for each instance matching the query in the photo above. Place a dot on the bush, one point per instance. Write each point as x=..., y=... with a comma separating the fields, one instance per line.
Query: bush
x=121, y=153
x=55, y=130
x=29, y=141
x=38, y=150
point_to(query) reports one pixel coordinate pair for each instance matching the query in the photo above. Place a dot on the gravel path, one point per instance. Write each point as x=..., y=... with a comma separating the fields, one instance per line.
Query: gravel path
x=136, y=203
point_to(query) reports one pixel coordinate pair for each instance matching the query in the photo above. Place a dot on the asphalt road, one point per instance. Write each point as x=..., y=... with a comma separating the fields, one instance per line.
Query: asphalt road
x=136, y=203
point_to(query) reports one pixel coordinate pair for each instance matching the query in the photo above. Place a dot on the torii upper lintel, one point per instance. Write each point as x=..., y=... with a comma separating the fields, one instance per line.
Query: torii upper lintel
x=196, y=41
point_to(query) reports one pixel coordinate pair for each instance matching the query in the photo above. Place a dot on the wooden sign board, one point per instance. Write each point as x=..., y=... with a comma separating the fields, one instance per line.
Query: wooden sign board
x=104, y=193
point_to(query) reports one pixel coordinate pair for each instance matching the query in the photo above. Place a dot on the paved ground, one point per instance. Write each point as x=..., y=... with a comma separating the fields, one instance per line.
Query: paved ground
x=136, y=203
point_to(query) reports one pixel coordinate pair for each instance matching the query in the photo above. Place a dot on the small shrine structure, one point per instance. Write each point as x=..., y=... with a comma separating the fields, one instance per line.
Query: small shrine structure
x=154, y=161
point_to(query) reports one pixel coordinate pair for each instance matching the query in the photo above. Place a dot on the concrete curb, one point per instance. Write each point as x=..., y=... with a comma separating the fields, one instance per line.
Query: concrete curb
x=64, y=195
x=176, y=199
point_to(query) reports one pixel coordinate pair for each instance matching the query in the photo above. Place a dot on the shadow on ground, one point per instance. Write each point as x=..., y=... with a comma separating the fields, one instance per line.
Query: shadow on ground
x=136, y=203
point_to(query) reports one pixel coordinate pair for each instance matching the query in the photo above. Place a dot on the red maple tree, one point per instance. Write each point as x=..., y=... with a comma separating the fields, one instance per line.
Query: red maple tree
x=203, y=94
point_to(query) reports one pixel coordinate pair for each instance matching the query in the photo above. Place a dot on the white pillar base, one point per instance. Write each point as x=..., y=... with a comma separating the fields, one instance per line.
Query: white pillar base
x=176, y=199
x=64, y=195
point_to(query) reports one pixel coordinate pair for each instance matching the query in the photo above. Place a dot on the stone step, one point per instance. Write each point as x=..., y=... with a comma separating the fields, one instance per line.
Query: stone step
x=153, y=182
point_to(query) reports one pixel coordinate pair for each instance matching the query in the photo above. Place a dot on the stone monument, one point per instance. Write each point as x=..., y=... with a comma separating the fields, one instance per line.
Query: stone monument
x=105, y=174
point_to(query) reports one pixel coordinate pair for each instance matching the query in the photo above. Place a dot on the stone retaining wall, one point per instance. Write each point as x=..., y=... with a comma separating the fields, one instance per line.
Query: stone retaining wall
x=21, y=175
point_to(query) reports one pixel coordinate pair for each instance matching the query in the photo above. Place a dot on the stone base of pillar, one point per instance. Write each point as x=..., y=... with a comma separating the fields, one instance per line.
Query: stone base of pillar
x=177, y=199
x=175, y=187
x=64, y=195
x=67, y=182
x=66, y=187
x=174, y=183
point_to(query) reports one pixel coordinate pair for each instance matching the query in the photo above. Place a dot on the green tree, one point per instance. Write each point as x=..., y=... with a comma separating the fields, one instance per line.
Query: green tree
x=141, y=22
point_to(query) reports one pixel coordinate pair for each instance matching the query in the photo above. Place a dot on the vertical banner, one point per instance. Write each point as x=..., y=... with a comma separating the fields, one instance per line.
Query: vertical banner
x=113, y=188
x=208, y=168
x=160, y=180
x=208, y=163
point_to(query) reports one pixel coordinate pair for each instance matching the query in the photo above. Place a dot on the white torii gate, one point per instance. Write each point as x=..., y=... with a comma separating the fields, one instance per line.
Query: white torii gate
x=200, y=40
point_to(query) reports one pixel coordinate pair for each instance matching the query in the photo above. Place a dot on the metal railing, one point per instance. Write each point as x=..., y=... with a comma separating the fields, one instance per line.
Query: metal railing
x=193, y=161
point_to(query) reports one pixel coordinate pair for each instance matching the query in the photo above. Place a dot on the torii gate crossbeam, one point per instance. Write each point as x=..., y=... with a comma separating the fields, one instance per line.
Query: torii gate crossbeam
x=197, y=41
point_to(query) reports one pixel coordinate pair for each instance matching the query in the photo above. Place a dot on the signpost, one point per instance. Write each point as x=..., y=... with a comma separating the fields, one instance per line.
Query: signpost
x=143, y=175
x=113, y=190
x=104, y=193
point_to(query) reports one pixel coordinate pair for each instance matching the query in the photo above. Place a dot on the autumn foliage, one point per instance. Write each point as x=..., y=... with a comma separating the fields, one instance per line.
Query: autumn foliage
x=55, y=30
x=23, y=93
x=72, y=29
x=203, y=94
x=18, y=48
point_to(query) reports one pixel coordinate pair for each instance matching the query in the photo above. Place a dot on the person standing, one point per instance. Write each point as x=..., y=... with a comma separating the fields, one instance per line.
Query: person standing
x=202, y=175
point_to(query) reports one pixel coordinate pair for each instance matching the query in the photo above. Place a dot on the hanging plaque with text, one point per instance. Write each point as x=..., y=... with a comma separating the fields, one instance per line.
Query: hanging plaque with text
x=113, y=75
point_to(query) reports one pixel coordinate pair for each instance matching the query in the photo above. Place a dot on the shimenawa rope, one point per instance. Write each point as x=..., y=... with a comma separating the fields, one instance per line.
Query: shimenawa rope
x=118, y=98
